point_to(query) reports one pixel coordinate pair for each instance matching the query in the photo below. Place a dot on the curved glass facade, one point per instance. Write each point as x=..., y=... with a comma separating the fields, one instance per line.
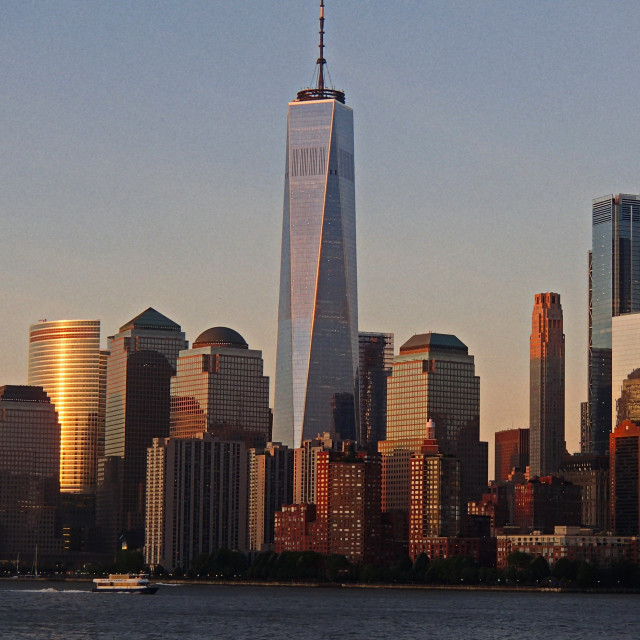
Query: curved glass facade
x=317, y=356
x=66, y=361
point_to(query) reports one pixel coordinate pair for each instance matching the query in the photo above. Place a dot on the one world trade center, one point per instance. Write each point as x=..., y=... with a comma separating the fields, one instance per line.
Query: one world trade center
x=317, y=356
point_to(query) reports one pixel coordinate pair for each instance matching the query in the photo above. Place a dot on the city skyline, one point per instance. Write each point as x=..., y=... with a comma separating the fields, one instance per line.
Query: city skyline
x=508, y=125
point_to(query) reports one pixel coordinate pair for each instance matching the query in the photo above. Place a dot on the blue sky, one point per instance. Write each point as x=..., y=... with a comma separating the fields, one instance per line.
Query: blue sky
x=142, y=164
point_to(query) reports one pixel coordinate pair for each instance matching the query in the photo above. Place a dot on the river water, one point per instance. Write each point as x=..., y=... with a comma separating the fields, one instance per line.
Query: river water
x=69, y=611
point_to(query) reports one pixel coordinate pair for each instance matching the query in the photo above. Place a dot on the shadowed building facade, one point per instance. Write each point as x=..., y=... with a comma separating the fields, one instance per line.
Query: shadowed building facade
x=511, y=452
x=142, y=359
x=546, y=388
x=29, y=473
x=614, y=289
x=624, y=455
x=317, y=353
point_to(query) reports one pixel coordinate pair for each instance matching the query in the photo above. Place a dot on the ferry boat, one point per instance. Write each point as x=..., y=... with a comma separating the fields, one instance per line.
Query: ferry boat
x=124, y=583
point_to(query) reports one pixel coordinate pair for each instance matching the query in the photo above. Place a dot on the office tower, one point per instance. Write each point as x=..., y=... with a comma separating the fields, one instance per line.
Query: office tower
x=317, y=354
x=546, y=385
x=142, y=359
x=435, y=507
x=376, y=359
x=591, y=473
x=433, y=378
x=624, y=500
x=305, y=464
x=197, y=492
x=625, y=368
x=219, y=388
x=66, y=361
x=29, y=473
x=614, y=289
x=270, y=486
x=511, y=452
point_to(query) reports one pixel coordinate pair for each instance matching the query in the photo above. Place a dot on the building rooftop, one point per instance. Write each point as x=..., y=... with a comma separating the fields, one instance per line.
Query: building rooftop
x=428, y=341
x=151, y=319
x=23, y=393
x=220, y=337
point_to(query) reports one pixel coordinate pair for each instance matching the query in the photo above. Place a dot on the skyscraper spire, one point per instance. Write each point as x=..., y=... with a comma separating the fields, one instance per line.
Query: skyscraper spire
x=320, y=91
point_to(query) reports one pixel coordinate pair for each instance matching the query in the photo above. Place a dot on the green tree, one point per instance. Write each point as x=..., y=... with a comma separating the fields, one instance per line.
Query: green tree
x=587, y=575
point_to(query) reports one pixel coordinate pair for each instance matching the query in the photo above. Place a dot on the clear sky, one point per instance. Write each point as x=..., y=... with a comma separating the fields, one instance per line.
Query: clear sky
x=142, y=159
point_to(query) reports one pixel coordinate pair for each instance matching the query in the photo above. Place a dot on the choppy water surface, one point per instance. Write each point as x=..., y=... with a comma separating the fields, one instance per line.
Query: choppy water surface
x=69, y=611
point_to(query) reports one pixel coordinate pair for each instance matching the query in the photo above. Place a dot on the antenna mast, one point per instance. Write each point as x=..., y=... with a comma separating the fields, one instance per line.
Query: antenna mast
x=321, y=61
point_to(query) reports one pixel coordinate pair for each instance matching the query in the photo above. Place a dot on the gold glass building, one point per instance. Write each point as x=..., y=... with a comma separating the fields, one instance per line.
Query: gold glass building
x=66, y=361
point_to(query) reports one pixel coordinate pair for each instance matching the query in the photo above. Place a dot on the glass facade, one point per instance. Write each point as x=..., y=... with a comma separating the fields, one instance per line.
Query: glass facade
x=317, y=355
x=66, y=361
x=625, y=368
x=546, y=385
x=375, y=361
x=614, y=289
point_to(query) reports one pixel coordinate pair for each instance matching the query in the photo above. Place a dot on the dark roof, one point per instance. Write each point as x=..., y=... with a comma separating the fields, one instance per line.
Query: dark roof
x=444, y=341
x=23, y=393
x=220, y=337
x=151, y=319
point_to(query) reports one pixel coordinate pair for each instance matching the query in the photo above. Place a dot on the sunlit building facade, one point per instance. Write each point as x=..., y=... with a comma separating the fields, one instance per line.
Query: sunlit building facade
x=625, y=368
x=66, y=361
x=219, y=387
x=317, y=354
x=614, y=289
x=546, y=386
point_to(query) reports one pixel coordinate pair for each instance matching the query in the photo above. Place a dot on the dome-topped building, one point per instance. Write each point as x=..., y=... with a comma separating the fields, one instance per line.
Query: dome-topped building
x=220, y=337
x=220, y=388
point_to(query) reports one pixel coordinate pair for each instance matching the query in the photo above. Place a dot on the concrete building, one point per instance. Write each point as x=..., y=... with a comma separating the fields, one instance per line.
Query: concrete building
x=305, y=465
x=197, y=494
x=546, y=391
x=625, y=368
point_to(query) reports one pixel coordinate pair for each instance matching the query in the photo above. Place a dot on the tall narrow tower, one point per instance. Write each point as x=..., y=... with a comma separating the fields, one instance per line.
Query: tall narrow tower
x=317, y=357
x=546, y=391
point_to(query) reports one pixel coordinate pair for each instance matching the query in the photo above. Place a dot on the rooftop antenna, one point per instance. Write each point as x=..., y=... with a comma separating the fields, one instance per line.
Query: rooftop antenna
x=321, y=92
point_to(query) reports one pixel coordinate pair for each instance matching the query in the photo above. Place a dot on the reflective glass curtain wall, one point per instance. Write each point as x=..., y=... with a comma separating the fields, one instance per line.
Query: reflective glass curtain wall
x=614, y=289
x=317, y=317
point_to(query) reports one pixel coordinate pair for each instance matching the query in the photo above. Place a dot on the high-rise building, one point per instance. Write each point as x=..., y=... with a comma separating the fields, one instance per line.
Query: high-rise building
x=624, y=500
x=66, y=361
x=29, y=473
x=143, y=356
x=614, y=289
x=270, y=486
x=317, y=354
x=305, y=462
x=511, y=452
x=219, y=388
x=625, y=368
x=197, y=495
x=434, y=378
x=376, y=359
x=546, y=386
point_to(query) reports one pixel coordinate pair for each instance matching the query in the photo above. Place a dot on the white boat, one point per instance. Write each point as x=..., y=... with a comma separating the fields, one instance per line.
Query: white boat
x=124, y=583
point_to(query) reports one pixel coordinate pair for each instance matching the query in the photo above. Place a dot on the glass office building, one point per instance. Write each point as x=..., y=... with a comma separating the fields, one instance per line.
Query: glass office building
x=614, y=289
x=317, y=356
x=66, y=361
